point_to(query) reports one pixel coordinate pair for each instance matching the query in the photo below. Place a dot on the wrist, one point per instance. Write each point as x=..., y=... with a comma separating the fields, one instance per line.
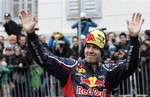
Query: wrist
x=30, y=31
x=133, y=35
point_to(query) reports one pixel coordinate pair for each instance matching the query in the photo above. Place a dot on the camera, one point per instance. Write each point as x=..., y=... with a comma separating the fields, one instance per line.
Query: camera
x=113, y=40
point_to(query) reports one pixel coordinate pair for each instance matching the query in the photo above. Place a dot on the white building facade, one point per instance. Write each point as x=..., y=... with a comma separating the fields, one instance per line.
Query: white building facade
x=114, y=13
x=59, y=15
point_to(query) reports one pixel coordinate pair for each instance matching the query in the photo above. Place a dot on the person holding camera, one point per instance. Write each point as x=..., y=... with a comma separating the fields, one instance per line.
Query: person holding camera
x=111, y=47
x=11, y=27
x=61, y=48
x=86, y=23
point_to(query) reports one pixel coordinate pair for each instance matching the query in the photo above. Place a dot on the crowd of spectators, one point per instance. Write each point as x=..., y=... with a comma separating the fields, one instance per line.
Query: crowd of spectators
x=19, y=71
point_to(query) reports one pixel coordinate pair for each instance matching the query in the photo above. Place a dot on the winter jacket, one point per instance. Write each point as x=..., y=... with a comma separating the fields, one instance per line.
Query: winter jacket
x=77, y=77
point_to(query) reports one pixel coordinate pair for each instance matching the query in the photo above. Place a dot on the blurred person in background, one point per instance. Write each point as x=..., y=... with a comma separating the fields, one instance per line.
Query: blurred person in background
x=1, y=44
x=147, y=37
x=12, y=41
x=42, y=38
x=54, y=38
x=83, y=40
x=35, y=80
x=86, y=23
x=2, y=39
x=111, y=47
x=144, y=66
x=8, y=53
x=1, y=68
x=4, y=81
x=124, y=43
x=22, y=43
x=75, y=48
x=19, y=74
x=1, y=47
x=119, y=55
x=61, y=48
x=83, y=43
x=144, y=53
x=11, y=27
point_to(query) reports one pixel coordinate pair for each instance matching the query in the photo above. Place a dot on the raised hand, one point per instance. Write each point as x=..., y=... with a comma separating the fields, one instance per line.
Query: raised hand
x=28, y=21
x=134, y=26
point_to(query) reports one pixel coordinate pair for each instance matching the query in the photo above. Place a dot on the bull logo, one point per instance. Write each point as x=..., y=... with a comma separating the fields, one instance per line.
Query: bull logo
x=90, y=37
x=92, y=82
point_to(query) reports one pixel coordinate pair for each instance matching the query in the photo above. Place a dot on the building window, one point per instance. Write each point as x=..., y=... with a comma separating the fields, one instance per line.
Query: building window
x=18, y=5
x=15, y=6
x=92, y=8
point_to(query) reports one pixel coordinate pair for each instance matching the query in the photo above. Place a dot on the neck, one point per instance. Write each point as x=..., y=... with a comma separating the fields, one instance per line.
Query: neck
x=94, y=67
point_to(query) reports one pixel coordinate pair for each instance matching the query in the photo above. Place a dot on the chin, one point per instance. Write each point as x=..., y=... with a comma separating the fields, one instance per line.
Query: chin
x=91, y=61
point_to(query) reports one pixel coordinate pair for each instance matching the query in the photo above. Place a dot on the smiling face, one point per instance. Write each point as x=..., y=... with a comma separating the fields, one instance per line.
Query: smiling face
x=92, y=53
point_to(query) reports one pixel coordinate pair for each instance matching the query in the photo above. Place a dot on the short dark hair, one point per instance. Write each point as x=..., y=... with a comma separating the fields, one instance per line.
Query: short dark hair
x=111, y=33
x=75, y=37
x=122, y=34
x=147, y=32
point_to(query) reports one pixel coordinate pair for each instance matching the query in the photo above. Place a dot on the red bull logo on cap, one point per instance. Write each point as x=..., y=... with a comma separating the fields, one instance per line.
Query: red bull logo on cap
x=92, y=82
x=90, y=37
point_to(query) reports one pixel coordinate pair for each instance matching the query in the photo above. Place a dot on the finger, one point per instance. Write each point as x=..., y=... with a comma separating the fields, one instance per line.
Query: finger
x=34, y=18
x=23, y=13
x=29, y=12
x=127, y=22
x=139, y=18
x=133, y=16
x=20, y=17
x=142, y=22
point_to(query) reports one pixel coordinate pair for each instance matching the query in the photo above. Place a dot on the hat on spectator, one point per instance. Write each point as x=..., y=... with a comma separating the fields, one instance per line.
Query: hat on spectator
x=12, y=37
x=57, y=35
x=8, y=48
x=147, y=32
x=60, y=42
x=7, y=15
x=83, y=36
x=83, y=14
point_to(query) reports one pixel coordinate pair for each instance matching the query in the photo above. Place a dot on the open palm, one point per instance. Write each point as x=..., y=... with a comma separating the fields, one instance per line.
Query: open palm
x=135, y=25
x=28, y=21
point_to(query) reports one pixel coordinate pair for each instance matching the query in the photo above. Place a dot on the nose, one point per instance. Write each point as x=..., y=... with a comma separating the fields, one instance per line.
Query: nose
x=91, y=49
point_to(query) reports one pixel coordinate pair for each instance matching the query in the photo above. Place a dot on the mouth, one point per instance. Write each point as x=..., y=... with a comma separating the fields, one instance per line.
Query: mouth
x=90, y=56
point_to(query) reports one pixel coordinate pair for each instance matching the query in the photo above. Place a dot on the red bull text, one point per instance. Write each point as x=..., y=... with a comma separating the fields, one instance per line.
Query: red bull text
x=91, y=91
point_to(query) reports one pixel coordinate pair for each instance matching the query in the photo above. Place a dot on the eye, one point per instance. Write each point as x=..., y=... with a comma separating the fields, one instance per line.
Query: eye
x=87, y=46
x=95, y=47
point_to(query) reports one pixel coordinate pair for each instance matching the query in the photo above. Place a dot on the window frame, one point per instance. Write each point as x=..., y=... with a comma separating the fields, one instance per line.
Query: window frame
x=8, y=6
x=72, y=8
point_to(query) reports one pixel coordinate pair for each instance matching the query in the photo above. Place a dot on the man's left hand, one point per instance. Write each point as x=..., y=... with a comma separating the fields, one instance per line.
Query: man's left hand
x=134, y=26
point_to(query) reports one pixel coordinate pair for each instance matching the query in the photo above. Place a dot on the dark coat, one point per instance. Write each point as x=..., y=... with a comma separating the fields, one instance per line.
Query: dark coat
x=12, y=28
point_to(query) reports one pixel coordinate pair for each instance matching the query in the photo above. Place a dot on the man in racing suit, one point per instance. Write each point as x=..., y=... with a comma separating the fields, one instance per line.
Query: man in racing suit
x=87, y=77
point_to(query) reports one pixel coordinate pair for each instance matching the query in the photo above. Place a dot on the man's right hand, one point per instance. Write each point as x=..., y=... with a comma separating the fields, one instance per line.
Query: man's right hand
x=28, y=21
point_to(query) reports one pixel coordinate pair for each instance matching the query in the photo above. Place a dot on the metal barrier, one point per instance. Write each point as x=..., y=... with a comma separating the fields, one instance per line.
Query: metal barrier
x=45, y=85
x=137, y=85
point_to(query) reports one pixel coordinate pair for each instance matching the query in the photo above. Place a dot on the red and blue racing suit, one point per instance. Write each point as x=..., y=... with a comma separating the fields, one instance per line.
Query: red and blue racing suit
x=77, y=77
